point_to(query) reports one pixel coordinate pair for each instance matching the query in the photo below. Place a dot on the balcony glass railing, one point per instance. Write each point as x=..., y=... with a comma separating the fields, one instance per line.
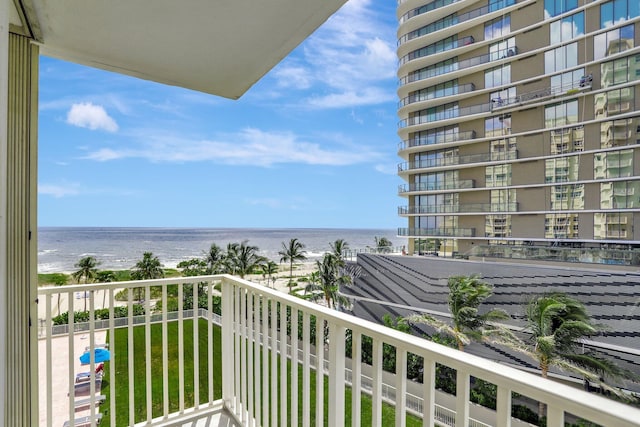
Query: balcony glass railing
x=171, y=365
x=435, y=186
x=436, y=139
x=437, y=4
x=436, y=48
x=454, y=20
x=540, y=95
x=465, y=207
x=445, y=115
x=458, y=160
x=438, y=93
x=460, y=65
x=437, y=232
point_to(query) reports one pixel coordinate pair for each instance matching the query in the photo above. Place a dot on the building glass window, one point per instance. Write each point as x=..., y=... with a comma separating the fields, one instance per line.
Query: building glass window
x=498, y=27
x=613, y=164
x=567, y=140
x=614, y=102
x=439, y=46
x=436, y=69
x=437, y=158
x=612, y=42
x=558, y=7
x=620, y=195
x=502, y=49
x=498, y=175
x=436, y=136
x=497, y=125
x=613, y=225
x=561, y=58
x=620, y=132
x=561, y=169
x=500, y=4
x=560, y=83
x=563, y=113
x=434, y=26
x=443, y=89
x=617, y=11
x=620, y=71
x=567, y=28
x=561, y=226
x=437, y=180
x=497, y=76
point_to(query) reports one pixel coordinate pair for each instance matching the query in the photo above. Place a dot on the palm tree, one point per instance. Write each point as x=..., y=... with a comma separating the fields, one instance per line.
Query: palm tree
x=383, y=245
x=466, y=293
x=244, y=258
x=269, y=268
x=325, y=283
x=59, y=279
x=148, y=268
x=339, y=247
x=291, y=253
x=214, y=258
x=87, y=269
x=105, y=276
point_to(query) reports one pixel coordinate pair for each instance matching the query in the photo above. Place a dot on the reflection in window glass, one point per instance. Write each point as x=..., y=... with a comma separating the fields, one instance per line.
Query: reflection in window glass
x=560, y=58
x=502, y=49
x=621, y=132
x=561, y=114
x=567, y=28
x=614, y=225
x=617, y=11
x=612, y=42
x=613, y=164
x=497, y=76
x=498, y=27
x=561, y=83
x=558, y=7
x=497, y=125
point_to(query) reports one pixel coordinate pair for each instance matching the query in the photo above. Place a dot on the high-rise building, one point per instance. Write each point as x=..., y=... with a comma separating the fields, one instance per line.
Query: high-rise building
x=519, y=128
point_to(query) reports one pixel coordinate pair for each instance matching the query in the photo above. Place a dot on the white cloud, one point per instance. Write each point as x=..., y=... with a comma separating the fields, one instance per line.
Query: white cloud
x=59, y=191
x=248, y=147
x=94, y=117
x=350, y=60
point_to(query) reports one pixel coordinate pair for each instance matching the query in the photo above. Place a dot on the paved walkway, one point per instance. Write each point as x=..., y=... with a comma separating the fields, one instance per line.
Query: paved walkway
x=60, y=376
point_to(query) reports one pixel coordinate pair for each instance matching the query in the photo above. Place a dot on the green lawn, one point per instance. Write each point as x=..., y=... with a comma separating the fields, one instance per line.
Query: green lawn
x=120, y=347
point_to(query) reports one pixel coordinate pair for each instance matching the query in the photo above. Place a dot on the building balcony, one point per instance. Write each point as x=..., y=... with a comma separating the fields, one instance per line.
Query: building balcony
x=414, y=98
x=483, y=208
x=437, y=186
x=460, y=65
x=437, y=232
x=179, y=367
x=458, y=160
x=436, y=139
x=437, y=4
x=445, y=115
x=432, y=49
x=543, y=94
x=455, y=20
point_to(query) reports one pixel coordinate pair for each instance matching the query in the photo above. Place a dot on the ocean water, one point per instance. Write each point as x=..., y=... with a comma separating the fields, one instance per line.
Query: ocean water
x=60, y=248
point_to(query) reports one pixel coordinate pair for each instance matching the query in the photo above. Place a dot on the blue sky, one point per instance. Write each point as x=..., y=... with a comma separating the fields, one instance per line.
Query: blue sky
x=312, y=144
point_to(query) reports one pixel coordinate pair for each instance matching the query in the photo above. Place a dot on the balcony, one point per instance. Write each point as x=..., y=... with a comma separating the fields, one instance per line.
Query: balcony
x=436, y=186
x=440, y=93
x=436, y=139
x=543, y=94
x=484, y=208
x=437, y=232
x=435, y=48
x=495, y=156
x=445, y=115
x=237, y=360
x=460, y=65
x=436, y=4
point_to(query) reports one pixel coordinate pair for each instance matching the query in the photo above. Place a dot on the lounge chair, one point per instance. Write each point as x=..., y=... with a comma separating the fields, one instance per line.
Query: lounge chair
x=83, y=421
x=86, y=376
x=83, y=389
x=98, y=400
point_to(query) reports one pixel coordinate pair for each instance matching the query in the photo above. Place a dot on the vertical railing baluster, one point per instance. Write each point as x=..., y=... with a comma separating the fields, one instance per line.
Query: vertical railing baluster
x=336, y=374
x=228, y=346
x=306, y=370
x=196, y=346
x=401, y=387
x=283, y=364
x=130, y=355
x=428, y=391
x=503, y=407
x=294, y=367
x=165, y=354
x=376, y=397
x=356, y=377
x=92, y=346
x=210, y=340
x=71, y=361
x=49, y=359
x=237, y=328
x=265, y=360
x=112, y=359
x=257, y=386
x=462, y=398
x=319, y=371
x=243, y=354
x=181, y=347
x=147, y=342
x=274, y=363
x=555, y=416
x=248, y=370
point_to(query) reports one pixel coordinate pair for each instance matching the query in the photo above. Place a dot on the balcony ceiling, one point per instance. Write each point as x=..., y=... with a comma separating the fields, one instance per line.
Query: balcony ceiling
x=219, y=47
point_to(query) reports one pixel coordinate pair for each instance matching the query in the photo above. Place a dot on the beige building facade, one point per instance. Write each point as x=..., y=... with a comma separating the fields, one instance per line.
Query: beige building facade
x=519, y=128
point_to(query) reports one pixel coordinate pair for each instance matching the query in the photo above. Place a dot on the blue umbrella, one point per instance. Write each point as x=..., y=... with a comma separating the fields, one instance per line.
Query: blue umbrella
x=100, y=355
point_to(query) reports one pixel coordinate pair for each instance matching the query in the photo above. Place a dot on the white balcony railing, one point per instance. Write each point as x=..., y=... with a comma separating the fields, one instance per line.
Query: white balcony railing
x=144, y=388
